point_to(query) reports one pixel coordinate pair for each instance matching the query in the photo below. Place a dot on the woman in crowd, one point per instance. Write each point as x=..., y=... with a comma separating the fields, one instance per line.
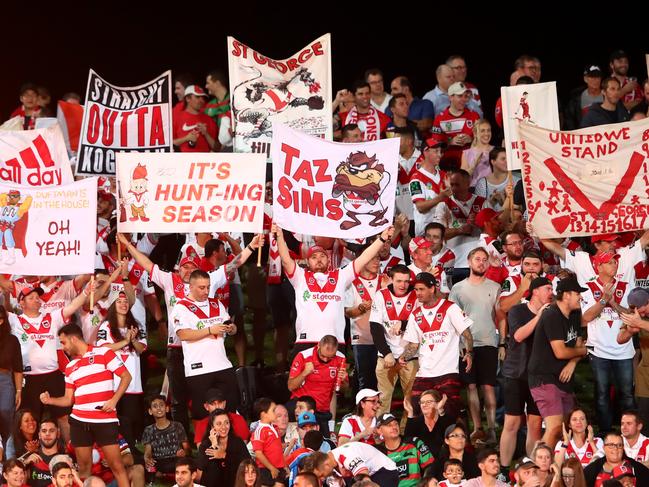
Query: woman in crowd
x=221, y=452
x=361, y=426
x=570, y=474
x=542, y=456
x=475, y=159
x=494, y=186
x=431, y=424
x=456, y=447
x=127, y=338
x=24, y=437
x=11, y=375
x=248, y=474
x=578, y=440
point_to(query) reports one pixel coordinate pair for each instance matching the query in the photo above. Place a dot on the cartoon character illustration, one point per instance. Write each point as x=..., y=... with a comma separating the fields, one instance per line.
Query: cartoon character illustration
x=361, y=180
x=254, y=100
x=137, y=197
x=13, y=224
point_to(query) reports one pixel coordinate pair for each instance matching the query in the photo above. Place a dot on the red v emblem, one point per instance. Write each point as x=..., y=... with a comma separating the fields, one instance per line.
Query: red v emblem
x=609, y=205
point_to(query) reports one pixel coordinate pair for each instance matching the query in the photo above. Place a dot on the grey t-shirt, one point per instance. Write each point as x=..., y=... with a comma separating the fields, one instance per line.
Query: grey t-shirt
x=587, y=100
x=164, y=443
x=478, y=302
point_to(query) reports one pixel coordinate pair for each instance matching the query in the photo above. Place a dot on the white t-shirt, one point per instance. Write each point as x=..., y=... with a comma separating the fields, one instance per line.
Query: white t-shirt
x=207, y=354
x=127, y=355
x=38, y=339
x=437, y=330
x=319, y=302
x=603, y=330
x=389, y=310
x=580, y=263
x=424, y=185
x=357, y=457
x=638, y=451
x=361, y=290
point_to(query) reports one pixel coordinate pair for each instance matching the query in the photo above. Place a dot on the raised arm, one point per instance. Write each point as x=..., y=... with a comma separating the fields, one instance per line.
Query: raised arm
x=369, y=253
x=554, y=247
x=243, y=255
x=287, y=261
x=139, y=257
x=77, y=302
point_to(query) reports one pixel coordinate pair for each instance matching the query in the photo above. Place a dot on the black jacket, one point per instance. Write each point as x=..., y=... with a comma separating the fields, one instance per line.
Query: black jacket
x=596, y=115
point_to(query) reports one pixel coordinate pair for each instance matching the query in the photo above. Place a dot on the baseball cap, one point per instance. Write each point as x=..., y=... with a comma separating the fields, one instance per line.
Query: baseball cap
x=638, y=297
x=14, y=193
x=30, y=289
x=385, y=418
x=365, y=393
x=485, y=215
x=525, y=463
x=570, y=284
x=425, y=278
x=457, y=88
x=622, y=471
x=619, y=54
x=313, y=249
x=539, y=282
x=418, y=243
x=593, y=70
x=190, y=259
x=306, y=418
x=195, y=90
x=214, y=395
x=604, y=257
x=605, y=237
x=435, y=140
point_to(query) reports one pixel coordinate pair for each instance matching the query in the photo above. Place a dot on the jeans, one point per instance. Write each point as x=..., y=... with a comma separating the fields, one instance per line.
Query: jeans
x=7, y=398
x=365, y=364
x=621, y=371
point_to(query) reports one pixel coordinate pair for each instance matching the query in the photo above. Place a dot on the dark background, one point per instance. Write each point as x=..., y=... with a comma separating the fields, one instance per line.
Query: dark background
x=131, y=43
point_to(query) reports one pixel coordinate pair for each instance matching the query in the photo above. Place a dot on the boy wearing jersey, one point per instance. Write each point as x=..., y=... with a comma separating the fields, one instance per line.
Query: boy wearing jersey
x=89, y=387
x=319, y=294
x=433, y=333
x=202, y=323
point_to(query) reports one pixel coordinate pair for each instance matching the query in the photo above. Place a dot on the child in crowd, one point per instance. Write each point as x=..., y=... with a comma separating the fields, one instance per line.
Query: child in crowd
x=453, y=474
x=267, y=444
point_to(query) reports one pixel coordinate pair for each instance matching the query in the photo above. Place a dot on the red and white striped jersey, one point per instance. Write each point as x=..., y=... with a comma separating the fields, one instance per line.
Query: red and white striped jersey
x=91, y=378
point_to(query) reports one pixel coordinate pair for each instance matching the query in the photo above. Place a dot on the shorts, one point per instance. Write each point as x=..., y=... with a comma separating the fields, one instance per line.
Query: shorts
x=483, y=369
x=517, y=396
x=552, y=401
x=84, y=434
x=267, y=479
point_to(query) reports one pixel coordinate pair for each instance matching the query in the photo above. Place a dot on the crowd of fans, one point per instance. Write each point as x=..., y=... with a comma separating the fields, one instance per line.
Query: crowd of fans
x=481, y=324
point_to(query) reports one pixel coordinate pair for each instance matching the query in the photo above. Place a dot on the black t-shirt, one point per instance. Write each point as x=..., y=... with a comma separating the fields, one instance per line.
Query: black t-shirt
x=223, y=471
x=515, y=365
x=434, y=440
x=544, y=367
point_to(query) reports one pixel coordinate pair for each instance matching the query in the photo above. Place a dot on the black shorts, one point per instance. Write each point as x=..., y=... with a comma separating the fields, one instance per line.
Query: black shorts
x=267, y=479
x=86, y=434
x=281, y=301
x=54, y=383
x=517, y=396
x=483, y=368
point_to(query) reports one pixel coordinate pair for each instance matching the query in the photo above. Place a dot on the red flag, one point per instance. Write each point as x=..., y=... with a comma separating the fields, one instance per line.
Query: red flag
x=70, y=118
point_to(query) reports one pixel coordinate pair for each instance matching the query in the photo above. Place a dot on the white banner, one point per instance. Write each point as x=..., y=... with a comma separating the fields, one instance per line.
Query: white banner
x=332, y=189
x=190, y=192
x=117, y=118
x=34, y=157
x=586, y=182
x=48, y=231
x=533, y=104
x=294, y=91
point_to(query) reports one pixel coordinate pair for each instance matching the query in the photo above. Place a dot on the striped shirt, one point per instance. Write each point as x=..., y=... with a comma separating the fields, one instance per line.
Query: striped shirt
x=91, y=378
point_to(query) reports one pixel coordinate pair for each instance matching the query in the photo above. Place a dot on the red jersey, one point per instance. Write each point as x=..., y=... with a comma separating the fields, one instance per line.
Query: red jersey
x=373, y=124
x=186, y=122
x=266, y=439
x=452, y=125
x=320, y=384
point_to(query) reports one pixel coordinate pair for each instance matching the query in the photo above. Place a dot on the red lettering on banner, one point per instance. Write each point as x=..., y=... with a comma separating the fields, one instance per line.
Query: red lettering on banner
x=140, y=112
x=107, y=123
x=292, y=64
x=157, y=135
x=216, y=213
x=123, y=129
x=92, y=134
x=104, y=121
x=239, y=49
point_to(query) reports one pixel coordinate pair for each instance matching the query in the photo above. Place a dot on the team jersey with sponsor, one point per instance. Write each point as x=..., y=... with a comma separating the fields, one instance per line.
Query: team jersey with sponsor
x=641, y=274
x=437, y=330
x=57, y=295
x=352, y=425
x=91, y=378
x=357, y=457
x=266, y=439
x=505, y=270
x=320, y=383
x=207, y=354
x=603, y=330
x=453, y=213
x=492, y=244
x=139, y=279
x=585, y=454
x=403, y=199
x=581, y=263
x=372, y=124
x=127, y=355
x=412, y=458
x=319, y=302
x=453, y=125
x=187, y=122
x=38, y=339
x=425, y=185
x=392, y=311
x=639, y=451
x=89, y=322
x=360, y=291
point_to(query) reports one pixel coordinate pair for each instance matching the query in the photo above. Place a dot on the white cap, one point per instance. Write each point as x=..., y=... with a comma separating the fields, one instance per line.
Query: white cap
x=365, y=393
